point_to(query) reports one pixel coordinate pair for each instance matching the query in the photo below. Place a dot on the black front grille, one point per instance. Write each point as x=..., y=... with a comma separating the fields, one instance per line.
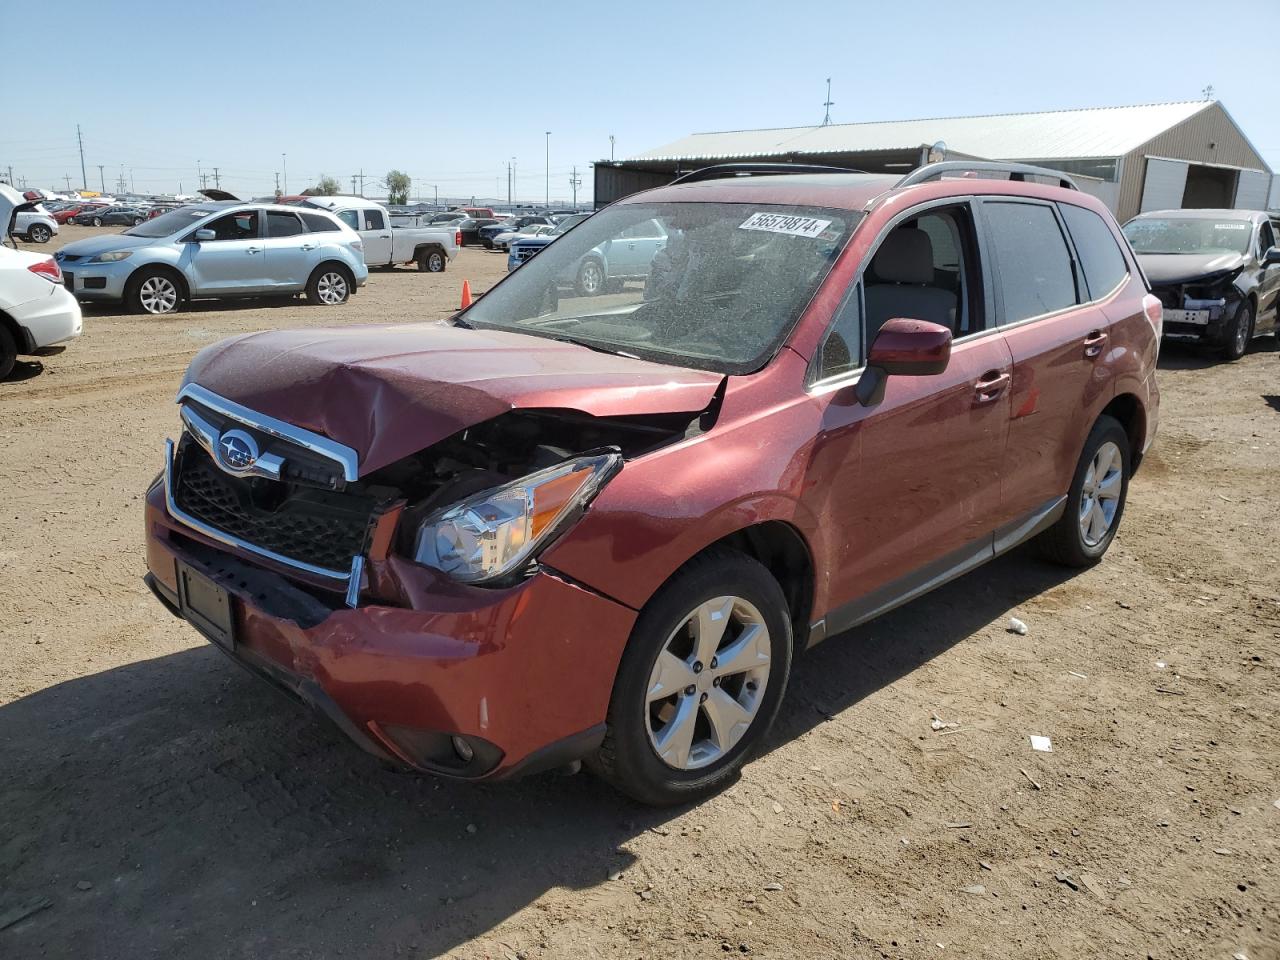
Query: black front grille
x=70, y=280
x=315, y=527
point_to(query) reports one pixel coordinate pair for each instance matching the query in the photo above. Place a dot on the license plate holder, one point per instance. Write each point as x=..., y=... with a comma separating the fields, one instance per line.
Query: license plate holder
x=206, y=606
x=1200, y=317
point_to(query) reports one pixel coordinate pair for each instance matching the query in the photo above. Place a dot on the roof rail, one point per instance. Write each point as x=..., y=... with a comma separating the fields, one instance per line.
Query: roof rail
x=1016, y=171
x=723, y=171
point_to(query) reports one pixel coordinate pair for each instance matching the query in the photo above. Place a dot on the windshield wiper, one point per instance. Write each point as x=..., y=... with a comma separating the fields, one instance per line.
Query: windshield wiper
x=592, y=346
x=464, y=324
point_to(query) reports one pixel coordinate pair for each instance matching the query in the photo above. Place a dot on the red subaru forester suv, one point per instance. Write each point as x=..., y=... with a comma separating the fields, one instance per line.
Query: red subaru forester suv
x=598, y=521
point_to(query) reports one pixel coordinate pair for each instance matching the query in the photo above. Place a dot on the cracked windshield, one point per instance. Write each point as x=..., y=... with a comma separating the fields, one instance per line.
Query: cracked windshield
x=709, y=285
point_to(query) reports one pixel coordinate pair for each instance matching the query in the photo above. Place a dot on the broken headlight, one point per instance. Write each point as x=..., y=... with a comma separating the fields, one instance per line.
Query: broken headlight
x=493, y=533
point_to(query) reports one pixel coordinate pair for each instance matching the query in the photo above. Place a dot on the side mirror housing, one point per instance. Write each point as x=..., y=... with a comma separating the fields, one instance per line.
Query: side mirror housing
x=203, y=236
x=1271, y=257
x=903, y=348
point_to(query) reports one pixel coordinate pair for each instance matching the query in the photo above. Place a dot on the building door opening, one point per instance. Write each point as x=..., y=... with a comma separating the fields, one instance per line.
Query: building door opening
x=1209, y=187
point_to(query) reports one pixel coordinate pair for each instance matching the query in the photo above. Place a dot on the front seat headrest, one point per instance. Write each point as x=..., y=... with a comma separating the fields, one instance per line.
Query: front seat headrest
x=906, y=256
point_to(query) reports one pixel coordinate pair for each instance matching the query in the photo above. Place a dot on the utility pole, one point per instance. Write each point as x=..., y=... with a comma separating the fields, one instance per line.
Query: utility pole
x=278, y=183
x=575, y=182
x=102, y=177
x=548, y=197
x=361, y=182
x=84, y=177
x=217, y=181
x=199, y=174
x=611, y=148
x=284, y=165
x=826, y=120
x=515, y=181
x=10, y=180
x=67, y=177
x=509, y=162
x=353, y=184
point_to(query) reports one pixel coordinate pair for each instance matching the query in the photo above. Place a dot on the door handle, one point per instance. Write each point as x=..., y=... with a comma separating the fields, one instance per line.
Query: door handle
x=1094, y=343
x=253, y=250
x=308, y=246
x=385, y=236
x=990, y=385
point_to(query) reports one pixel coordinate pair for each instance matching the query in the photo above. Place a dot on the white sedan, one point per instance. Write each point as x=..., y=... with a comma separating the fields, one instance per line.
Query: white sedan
x=501, y=241
x=36, y=311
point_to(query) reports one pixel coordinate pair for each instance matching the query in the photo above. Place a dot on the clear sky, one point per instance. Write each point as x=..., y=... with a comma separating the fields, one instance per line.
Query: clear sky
x=451, y=92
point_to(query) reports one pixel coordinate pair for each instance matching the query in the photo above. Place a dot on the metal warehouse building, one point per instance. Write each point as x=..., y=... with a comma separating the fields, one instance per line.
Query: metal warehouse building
x=1149, y=157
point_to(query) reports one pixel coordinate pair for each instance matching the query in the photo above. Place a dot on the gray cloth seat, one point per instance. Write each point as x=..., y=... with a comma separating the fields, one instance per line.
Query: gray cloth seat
x=904, y=267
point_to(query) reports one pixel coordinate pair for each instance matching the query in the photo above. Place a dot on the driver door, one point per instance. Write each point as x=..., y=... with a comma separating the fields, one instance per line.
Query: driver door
x=234, y=261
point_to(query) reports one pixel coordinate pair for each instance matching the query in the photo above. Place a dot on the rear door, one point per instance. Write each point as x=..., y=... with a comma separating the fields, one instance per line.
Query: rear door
x=1268, y=281
x=290, y=251
x=1057, y=334
x=235, y=261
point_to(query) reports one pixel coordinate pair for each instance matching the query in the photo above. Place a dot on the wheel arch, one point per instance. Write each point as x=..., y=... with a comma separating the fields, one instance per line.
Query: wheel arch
x=1128, y=409
x=21, y=338
x=334, y=262
x=142, y=269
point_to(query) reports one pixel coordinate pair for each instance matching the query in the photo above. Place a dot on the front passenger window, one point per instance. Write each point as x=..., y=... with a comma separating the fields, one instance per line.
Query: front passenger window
x=373, y=220
x=351, y=218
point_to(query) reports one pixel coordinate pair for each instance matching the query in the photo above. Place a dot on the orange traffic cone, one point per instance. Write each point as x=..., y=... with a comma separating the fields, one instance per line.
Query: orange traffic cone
x=466, y=294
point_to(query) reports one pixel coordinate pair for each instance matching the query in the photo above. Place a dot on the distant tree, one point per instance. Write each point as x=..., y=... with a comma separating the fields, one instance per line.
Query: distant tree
x=327, y=186
x=398, y=187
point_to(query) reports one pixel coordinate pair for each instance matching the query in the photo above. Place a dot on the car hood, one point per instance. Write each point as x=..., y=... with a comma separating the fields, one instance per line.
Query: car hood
x=93, y=246
x=390, y=391
x=1171, y=268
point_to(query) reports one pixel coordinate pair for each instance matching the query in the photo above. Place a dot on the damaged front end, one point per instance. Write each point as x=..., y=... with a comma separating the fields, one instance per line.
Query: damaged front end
x=477, y=507
x=1200, y=308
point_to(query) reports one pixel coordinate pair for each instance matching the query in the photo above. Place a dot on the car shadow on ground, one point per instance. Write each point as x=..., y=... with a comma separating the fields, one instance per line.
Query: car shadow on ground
x=215, y=818
x=229, y=305
x=1190, y=356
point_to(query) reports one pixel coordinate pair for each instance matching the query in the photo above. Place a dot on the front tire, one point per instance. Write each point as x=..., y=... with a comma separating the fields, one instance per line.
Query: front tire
x=1239, y=332
x=1095, y=502
x=156, y=292
x=329, y=286
x=97, y=221
x=39, y=233
x=700, y=683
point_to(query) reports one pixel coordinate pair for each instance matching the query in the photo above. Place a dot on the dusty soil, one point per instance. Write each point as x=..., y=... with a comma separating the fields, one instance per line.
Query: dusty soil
x=167, y=805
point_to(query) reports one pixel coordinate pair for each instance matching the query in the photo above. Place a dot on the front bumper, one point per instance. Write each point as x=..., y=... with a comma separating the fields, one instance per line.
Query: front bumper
x=97, y=281
x=1191, y=319
x=523, y=674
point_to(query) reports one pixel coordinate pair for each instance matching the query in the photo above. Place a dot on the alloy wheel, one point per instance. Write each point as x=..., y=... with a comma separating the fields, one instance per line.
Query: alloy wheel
x=708, y=683
x=158, y=295
x=332, y=288
x=1100, y=494
x=1243, y=329
x=592, y=279
x=435, y=262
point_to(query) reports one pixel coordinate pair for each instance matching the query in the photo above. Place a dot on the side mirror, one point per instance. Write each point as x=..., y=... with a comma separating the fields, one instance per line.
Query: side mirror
x=1271, y=257
x=903, y=348
x=203, y=236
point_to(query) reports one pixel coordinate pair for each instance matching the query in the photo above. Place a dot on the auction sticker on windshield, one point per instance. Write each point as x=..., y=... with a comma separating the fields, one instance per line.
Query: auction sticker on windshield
x=783, y=223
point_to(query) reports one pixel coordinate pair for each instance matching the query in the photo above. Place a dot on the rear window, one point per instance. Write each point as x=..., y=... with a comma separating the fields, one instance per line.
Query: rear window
x=1104, y=265
x=318, y=223
x=1035, y=275
x=280, y=224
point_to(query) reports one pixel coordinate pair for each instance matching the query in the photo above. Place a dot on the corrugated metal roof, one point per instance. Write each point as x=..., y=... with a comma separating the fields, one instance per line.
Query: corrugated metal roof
x=1058, y=135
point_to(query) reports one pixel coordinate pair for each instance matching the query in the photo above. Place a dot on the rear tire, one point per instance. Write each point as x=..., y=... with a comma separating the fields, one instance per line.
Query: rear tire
x=8, y=353
x=723, y=589
x=39, y=233
x=329, y=286
x=97, y=221
x=1240, y=332
x=432, y=261
x=1095, y=502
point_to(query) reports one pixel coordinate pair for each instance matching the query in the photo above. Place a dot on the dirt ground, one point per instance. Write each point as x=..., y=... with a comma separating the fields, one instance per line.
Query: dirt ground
x=164, y=804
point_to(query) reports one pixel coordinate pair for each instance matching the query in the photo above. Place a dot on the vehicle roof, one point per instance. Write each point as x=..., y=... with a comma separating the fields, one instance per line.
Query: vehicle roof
x=1204, y=214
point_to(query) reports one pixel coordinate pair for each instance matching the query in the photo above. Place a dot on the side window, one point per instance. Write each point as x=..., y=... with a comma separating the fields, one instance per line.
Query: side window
x=351, y=218
x=1266, y=238
x=926, y=268
x=281, y=224
x=1035, y=274
x=236, y=226
x=1100, y=257
x=318, y=223
x=841, y=351
x=373, y=220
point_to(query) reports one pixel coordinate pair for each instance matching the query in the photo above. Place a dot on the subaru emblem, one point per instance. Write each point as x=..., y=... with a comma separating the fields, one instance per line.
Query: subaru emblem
x=237, y=450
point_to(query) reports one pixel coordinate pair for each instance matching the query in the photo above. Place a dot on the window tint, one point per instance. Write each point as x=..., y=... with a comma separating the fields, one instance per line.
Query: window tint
x=1104, y=265
x=842, y=348
x=318, y=223
x=281, y=224
x=373, y=220
x=351, y=218
x=1035, y=275
x=1266, y=239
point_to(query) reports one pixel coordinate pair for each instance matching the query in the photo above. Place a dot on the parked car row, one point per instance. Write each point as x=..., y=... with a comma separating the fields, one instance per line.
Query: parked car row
x=619, y=512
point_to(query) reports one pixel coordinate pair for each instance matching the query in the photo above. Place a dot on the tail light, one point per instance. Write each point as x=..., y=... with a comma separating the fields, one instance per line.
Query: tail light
x=1154, y=311
x=457, y=238
x=47, y=269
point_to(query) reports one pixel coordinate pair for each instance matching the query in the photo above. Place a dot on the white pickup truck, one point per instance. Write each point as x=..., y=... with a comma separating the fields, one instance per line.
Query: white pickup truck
x=385, y=244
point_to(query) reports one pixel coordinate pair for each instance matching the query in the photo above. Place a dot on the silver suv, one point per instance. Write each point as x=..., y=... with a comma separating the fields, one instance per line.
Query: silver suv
x=211, y=250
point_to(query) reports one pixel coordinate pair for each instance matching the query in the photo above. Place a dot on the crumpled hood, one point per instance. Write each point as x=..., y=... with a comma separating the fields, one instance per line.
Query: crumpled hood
x=93, y=246
x=1163, y=269
x=390, y=391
